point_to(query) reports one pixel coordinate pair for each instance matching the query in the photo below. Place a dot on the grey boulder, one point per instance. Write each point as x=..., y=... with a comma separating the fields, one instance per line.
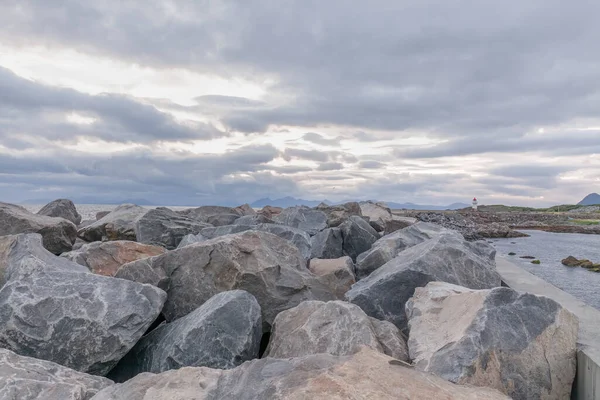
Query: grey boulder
x=254, y=219
x=338, y=214
x=446, y=257
x=119, y=224
x=202, y=214
x=26, y=378
x=379, y=214
x=222, y=219
x=337, y=273
x=398, y=223
x=299, y=238
x=222, y=333
x=327, y=244
x=62, y=208
x=56, y=310
x=367, y=374
x=190, y=239
x=389, y=246
x=358, y=236
x=58, y=234
x=105, y=258
x=335, y=327
x=164, y=227
x=244, y=210
x=265, y=265
x=306, y=219
x=521, y=344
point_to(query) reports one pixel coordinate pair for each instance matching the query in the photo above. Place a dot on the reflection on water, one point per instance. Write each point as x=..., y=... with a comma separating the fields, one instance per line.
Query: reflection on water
x=550, y=249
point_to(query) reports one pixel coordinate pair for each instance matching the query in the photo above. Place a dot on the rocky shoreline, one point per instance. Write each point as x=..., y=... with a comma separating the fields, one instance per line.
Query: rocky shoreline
x=347, y=301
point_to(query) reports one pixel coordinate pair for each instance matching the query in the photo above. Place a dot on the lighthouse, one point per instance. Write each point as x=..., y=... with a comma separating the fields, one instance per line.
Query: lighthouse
x=474, y=204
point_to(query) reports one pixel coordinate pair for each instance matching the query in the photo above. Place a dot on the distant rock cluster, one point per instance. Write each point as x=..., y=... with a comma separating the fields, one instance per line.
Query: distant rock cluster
x=331, y=302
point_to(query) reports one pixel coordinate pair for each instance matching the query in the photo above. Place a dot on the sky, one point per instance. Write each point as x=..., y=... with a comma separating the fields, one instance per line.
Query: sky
x=225, y=102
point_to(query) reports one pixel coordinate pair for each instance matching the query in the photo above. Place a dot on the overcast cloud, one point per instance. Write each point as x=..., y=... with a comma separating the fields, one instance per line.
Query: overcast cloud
x=224, y=102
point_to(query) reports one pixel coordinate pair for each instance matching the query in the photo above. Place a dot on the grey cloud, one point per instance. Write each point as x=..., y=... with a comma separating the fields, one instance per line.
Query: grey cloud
x=330, y=166
x=320, y=139
x=312, y=155
x=25, y=104
x=370, y=164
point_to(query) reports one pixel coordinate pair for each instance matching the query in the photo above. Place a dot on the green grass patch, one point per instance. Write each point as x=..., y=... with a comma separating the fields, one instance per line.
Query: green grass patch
x=536, y=262
x=585, y=221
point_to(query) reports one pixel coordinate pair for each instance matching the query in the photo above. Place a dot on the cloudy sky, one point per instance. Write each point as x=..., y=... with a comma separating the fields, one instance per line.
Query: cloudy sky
x=197, y=102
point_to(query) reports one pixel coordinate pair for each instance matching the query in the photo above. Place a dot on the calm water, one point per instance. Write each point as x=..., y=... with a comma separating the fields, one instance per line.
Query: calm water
x=550, y=249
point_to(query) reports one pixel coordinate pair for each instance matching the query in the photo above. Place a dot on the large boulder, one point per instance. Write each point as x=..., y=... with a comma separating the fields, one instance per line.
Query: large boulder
x=389, y=246
x=447, y=257
x=244, y=210
x=364, y=375
x=306, y=219
x=335, y=327
x=327, y=244
x=190, y=239
x=58, y=234
x=119, y=224
x=222, y=333
x=202, y=214
x=26, y=378
x=265, y=265
x=105, y=258
x=379, y=214
x=299, y=238
x=337, y=273
x=398, y=223
x=255, y=219
x=222, y=219
x=164, y=227
x=61, y=208
x=521, y=344
x=56, y=310
x=338, y=214
x=358, y=236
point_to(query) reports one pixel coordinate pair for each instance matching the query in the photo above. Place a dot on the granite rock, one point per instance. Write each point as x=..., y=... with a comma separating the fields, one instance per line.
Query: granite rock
x=58, y=233
x=519, y=343
x=379, y=214
x=304, y=218
x=26, y=378
x=327, y=244
x=358, y=236
x=337, y=273
x=61, y=208
x=222, y=333
x=367, y=374
x=447, y=257
x=164, y=227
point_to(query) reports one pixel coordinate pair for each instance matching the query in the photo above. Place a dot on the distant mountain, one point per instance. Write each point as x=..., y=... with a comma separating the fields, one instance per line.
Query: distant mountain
x=286, y=202
x=590, y=199
x=412, y=206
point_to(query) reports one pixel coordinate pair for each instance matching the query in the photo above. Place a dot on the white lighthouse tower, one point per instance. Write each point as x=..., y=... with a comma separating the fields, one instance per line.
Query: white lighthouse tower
x=474, y=204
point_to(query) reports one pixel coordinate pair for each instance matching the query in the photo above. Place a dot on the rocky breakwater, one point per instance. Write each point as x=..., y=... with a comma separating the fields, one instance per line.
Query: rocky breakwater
x=295, y=304
x=472, y=225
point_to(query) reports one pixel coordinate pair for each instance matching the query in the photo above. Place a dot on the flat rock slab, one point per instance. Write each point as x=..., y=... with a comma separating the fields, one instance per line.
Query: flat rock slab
x=306, y=219
x=26, y=378
x=105, y=258
x=61, y=208
x=389, y=246
x=378, y=213
x=447, y=257
x=338, y=274
x=58, y=234
x=222, y=333
x=56, y=310
x=265, y=265
x=335, y=327
x=519, y=343
x=364, y=375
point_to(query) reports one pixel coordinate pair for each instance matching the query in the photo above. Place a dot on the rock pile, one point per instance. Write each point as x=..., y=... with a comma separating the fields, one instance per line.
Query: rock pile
x=344, y=301
x=587, y=264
